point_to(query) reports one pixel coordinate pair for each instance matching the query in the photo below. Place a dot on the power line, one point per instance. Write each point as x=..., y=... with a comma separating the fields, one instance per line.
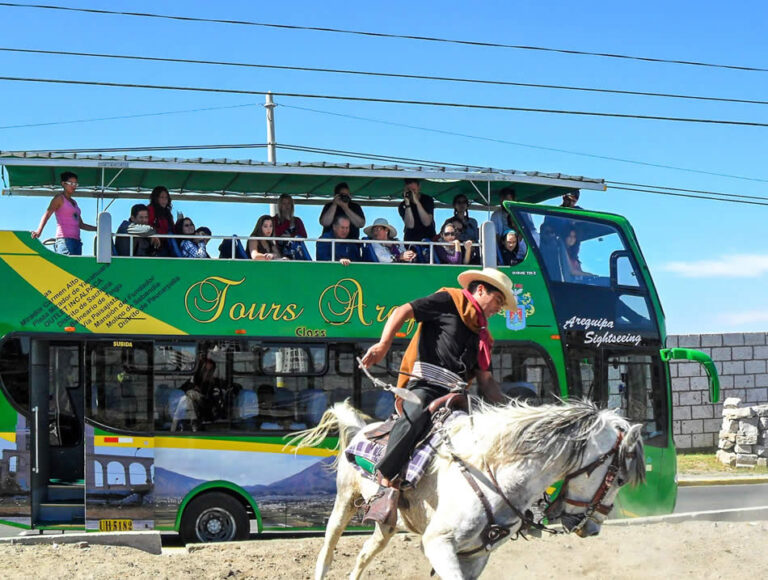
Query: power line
x=386, y=75
x=369, y=33
x=120, y=117
x=473, y=106
x=526, y=145
x=643, y=190
x=665, y=187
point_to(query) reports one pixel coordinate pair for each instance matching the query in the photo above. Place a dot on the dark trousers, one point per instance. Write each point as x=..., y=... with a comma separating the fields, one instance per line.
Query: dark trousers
x=408, y=429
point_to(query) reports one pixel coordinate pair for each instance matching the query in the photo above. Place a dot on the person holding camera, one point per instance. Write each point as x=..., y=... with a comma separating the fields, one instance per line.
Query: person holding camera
x=342, y=204
x=417, y=211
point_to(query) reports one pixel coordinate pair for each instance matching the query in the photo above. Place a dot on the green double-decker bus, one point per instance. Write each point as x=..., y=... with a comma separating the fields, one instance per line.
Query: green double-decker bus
x=155, y=393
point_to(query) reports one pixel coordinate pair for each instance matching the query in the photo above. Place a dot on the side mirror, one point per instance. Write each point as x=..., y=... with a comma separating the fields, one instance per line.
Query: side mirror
x=668, y=354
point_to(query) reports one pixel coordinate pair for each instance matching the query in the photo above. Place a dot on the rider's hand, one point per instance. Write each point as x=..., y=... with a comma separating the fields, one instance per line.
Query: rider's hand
x=377, y=352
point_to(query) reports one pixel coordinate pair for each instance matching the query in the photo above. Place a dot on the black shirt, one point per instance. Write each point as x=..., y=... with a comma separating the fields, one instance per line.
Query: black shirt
x=354, y=231
x=445, y=340
x=419, y=231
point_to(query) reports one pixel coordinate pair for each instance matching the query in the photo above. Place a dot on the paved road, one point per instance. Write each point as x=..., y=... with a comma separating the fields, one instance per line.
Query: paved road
x=721, y=497
x=689, y=499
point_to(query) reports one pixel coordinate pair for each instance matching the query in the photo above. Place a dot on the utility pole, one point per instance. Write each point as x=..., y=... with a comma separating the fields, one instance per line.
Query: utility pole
x=269, y=105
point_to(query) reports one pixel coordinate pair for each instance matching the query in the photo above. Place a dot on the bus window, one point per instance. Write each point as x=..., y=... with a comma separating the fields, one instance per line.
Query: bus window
x=119, y=385
x=63, y=423
x=523, y=372
x=631, y=389
x=14, y=370
x=375, y=401
x=174, y=365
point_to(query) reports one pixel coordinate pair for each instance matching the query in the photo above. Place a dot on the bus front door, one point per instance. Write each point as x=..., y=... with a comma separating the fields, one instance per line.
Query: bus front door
x=58, y=451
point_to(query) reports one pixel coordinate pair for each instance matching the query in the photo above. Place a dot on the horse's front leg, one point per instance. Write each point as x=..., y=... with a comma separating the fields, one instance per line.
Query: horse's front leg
x=373, y=545
x=343, y=510
x=440, y=550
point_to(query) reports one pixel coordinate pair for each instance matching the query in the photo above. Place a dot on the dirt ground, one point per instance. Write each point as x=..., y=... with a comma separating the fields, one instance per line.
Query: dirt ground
x=686, y=550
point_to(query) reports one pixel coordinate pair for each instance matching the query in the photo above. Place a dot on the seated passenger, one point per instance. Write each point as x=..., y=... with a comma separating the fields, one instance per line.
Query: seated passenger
x=469, y=224
x=382, y=231
x=417, y=211
x=342, y=205
x=572, y=246
x=287, y=225
x=160, y=216
x=190, y=247
x=144, y=242
x=450, y=252
x=263, y=249
x=345, y=252
x=511, y=248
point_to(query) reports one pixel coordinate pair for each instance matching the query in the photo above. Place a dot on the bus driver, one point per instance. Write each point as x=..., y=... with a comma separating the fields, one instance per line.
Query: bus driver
x=456, y=348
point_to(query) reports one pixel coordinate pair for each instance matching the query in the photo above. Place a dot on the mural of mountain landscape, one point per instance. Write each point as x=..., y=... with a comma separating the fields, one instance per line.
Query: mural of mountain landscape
x=300, y=500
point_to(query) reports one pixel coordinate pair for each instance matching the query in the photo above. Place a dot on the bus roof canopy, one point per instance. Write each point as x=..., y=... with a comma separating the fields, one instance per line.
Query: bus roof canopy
x=37, y=174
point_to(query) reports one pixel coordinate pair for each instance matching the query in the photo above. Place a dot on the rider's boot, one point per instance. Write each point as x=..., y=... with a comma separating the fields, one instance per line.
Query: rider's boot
x=382, y=507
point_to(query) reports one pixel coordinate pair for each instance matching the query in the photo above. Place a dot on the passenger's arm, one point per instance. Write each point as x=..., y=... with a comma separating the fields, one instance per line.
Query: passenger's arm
x=55, y=204
x=356, y=219
x=489, y=387
x=379, y=350
x=408, y=216
x=467, y=251
x=326, y=217
x=424, y=216
x=85, y=226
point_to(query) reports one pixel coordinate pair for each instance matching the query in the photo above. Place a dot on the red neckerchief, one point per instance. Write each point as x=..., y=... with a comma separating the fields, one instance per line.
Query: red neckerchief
x=484, y=351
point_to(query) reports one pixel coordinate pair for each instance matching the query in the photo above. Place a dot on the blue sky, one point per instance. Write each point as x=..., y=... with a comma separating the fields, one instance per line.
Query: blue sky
x=709, y=259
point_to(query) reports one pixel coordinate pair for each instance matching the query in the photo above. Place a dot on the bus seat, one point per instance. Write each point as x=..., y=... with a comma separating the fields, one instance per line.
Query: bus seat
x=245, y=409
x=380, y=404
x=174, y=251
x=368, y=254
x=225, y=249
x=296, y=250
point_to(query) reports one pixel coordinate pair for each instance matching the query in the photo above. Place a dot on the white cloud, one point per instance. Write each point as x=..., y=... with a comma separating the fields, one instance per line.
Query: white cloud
x=748, y=317
x=735, y=266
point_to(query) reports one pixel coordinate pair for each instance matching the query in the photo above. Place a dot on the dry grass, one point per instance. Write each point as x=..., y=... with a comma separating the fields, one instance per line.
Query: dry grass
x=707, y=463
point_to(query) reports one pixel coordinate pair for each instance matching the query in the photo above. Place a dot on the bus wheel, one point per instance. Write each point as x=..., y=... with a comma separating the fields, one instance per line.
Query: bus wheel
x=214, y=517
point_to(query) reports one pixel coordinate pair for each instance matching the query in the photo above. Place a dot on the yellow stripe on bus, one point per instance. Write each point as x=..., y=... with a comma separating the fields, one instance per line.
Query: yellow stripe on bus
x=211, y=444
x=224, y=445
x=8, y=436
x=11, y=244
x=53, y=282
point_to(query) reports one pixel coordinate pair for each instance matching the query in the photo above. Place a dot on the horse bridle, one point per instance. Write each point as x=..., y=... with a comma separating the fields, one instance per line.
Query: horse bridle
x=596, y=504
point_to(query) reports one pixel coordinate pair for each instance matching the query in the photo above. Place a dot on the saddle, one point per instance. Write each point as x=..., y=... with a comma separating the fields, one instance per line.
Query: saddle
x=450, y=402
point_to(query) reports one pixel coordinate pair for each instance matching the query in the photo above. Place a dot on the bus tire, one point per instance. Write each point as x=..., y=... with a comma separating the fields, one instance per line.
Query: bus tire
x=214, y=517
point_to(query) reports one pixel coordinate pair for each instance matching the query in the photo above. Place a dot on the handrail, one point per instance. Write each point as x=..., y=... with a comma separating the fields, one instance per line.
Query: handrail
x=332, y=241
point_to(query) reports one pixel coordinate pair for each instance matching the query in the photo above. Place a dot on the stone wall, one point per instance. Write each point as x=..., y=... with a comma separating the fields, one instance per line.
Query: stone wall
x=742, y=364
x=744, y=434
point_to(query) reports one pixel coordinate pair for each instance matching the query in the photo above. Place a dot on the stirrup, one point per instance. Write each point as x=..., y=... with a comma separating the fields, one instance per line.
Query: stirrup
x=382, y=507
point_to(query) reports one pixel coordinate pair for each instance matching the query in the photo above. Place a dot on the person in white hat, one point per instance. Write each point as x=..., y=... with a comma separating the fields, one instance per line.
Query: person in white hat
x=382, y=231
x=451, y=346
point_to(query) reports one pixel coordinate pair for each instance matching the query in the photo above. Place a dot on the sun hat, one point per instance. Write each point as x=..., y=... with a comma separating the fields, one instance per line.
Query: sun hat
x=380, y=222
x=493, y=277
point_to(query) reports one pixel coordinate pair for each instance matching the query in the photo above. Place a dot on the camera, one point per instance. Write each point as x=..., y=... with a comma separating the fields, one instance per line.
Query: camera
x=345, y=198
x=407, y=194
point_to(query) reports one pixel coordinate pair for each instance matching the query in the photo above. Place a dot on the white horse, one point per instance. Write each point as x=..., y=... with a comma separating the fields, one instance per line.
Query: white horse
x=513, y=454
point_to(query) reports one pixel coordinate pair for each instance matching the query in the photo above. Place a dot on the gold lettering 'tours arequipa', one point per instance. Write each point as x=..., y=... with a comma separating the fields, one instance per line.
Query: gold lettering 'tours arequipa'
x=206, y=301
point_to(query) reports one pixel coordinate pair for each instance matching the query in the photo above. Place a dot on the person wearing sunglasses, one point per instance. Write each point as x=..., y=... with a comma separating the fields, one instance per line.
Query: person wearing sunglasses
x=69, y=220
x=450, y=252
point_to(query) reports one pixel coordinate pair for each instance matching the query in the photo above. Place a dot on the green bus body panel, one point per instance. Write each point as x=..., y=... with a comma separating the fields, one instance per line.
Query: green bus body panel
x=213, y=486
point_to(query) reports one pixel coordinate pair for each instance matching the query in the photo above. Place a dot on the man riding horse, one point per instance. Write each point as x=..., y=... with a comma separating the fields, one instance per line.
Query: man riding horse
x=451, y=346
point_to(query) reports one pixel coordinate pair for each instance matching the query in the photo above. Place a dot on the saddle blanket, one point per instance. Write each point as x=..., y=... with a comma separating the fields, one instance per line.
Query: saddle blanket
x=364, y=454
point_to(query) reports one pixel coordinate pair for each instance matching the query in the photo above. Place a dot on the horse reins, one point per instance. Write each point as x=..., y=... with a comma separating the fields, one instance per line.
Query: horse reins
x=596, y=504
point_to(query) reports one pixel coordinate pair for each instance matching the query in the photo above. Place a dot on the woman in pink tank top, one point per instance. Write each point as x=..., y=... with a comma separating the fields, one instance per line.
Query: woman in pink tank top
x=68, y=219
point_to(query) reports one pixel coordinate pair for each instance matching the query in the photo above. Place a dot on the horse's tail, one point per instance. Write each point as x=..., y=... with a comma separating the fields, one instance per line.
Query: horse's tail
x=342, y=417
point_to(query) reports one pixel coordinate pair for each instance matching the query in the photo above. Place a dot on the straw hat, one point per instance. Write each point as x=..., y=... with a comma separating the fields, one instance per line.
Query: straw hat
x=380, y=222
x=493, y=277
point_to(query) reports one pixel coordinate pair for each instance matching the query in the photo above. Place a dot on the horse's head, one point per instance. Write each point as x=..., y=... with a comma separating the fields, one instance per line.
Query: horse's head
x=614, y=457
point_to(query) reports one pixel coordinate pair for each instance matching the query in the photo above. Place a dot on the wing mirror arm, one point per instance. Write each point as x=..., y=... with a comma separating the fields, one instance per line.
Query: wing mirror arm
x=668, y=354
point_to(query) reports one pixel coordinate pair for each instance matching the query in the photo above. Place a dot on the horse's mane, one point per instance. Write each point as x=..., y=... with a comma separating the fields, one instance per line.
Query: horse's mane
x=518, y=431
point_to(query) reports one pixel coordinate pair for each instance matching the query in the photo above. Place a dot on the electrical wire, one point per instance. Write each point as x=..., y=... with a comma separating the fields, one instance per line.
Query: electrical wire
x=369, y=33
x=120, y=117
x=385, y=75
x=525, y=145
x=665, y=187
x=643, y=190
x=349, y=98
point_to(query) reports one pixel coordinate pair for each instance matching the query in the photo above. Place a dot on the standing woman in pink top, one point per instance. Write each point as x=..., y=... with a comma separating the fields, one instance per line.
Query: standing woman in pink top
x=160, y=216
x=69, y=221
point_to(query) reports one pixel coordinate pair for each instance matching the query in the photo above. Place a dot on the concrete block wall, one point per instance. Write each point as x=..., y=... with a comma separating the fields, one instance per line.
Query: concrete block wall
x=742, y=364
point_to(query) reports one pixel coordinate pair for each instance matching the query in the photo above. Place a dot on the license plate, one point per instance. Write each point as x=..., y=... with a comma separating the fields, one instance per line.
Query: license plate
x=115, y=525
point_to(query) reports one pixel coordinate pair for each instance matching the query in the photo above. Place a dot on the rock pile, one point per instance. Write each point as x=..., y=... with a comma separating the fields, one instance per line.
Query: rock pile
x=744, y=435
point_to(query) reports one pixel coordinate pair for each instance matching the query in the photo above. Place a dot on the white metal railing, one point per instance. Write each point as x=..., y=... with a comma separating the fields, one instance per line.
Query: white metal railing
x=429, y=252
